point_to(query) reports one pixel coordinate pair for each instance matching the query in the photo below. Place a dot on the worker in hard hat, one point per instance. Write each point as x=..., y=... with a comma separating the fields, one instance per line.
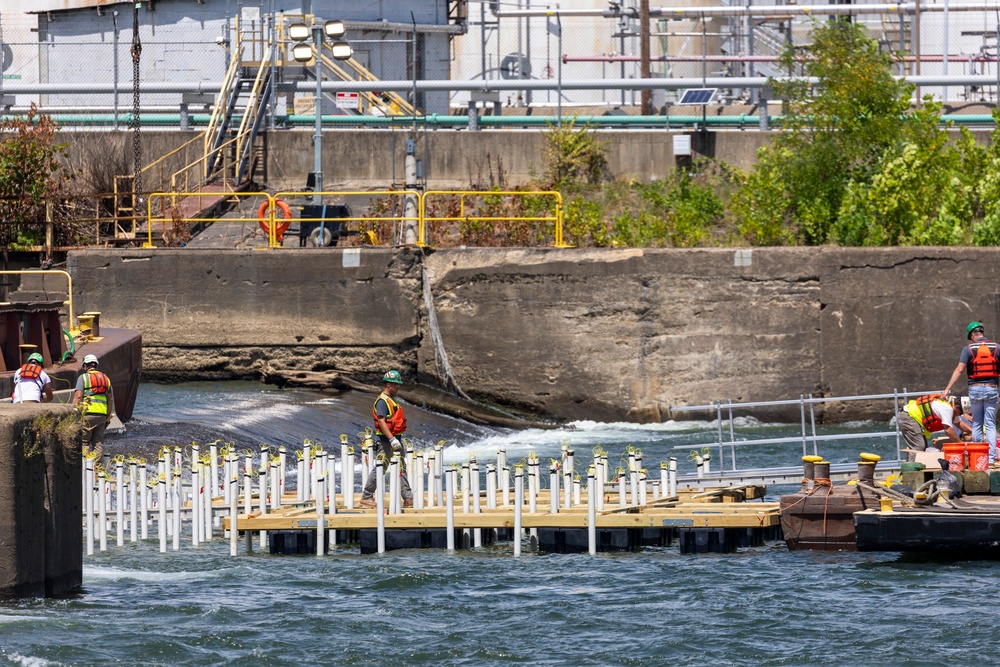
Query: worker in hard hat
x=925, y=415
x=981, y=360
x=31, y=383
x=93, y=391
x=390, y=424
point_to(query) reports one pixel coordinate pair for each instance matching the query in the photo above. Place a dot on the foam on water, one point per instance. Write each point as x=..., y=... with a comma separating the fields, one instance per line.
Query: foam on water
x=95, y=573
x=28, y=661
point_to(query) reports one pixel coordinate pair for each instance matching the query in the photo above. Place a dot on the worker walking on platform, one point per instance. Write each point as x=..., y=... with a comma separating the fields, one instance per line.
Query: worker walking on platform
x=925, y=415
x=981, y=358
x=31, y=383
x=390, y=423
x=93, y=390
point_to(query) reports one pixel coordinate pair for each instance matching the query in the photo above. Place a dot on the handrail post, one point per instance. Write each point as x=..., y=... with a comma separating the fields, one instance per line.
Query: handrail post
x=895, y=404
x=802, y=413
x=149, y=220
x=812, y=417
x=732, y=441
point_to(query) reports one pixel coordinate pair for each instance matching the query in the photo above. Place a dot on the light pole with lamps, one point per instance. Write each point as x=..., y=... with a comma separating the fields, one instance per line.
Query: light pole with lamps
x=303, y=52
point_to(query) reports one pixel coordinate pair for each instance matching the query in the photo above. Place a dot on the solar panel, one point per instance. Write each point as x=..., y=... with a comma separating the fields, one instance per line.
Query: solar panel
x=698, y=96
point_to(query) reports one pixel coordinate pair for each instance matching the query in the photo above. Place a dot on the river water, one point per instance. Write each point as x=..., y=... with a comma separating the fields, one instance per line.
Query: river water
x=760, y=606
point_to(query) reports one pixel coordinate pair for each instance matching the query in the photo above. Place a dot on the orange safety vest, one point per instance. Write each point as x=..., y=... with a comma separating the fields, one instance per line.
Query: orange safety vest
x=395, y=419
x=928, y=419
x=96, y=386
x=983, y=366
x=31, y=371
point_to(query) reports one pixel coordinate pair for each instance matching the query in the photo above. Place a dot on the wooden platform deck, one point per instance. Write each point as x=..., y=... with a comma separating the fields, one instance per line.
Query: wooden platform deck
x=691, y=508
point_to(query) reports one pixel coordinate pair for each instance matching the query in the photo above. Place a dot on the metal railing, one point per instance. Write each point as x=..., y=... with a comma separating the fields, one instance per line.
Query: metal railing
x=168, y=209
x=386, y=207
x=480, y=212
x=725, y=413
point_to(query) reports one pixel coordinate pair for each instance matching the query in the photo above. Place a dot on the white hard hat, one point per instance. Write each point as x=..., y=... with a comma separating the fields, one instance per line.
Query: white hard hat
x=89, y=359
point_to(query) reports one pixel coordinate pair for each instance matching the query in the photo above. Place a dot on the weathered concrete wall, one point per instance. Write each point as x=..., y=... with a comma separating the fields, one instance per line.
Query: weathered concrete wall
x=40, y=508
x=597, y=334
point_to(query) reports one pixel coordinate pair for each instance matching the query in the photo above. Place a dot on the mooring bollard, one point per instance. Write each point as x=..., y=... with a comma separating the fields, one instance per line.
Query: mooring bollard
x=518, y=508
x=591, y=514
x=450, y=511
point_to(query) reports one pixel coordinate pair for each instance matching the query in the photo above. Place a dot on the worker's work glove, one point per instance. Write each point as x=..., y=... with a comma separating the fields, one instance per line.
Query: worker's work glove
x=396, y=447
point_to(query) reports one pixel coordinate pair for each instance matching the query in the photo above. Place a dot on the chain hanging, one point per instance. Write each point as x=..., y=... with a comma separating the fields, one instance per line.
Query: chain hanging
x=136, y=51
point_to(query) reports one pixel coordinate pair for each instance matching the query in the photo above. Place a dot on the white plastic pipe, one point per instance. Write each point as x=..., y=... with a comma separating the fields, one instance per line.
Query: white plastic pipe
x=304, y=483
x=408, y=459
x=320, y=515
x=282, y=464
x=518, y=509
x=450, y=511
x=143, y=504
x=568, y=479
x=577, y=500
x=439, y=474
x=532, y=498
x=591, y=515
x=133, y=478
x=418, y=482
x=622, y=497
x=248, y=485
x=234, y=512
x=380, y=505
x=263, y=484
x=196, y=504
x=664, y=481
x=431, y=472
x=476, y=490
x=208, y=516
x=633, y=476
x=88, y=495
x=212, y=486
x=465, y=489
x=348, y=487
x=394, y=505
x=102, y=509
x=672, y=478
x=504, y=482
x=491, y=486
x=161, y=496
x=120, y=503
x=554, y=490
x=176, y=487
x=275, y=479
x=642, y=488
x=301, y=475
x=707, y=458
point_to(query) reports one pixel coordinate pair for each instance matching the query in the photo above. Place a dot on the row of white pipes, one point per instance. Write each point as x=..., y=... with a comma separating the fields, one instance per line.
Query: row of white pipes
x=122, y=494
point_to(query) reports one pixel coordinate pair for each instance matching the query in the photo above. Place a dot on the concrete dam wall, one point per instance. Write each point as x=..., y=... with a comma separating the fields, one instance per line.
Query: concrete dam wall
x=571, y=334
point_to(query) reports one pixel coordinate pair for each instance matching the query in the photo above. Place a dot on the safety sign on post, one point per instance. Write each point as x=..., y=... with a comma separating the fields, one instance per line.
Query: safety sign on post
x=347, y=100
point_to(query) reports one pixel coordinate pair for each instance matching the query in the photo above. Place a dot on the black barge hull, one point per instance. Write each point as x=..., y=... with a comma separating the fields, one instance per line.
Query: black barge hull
x=967, y=533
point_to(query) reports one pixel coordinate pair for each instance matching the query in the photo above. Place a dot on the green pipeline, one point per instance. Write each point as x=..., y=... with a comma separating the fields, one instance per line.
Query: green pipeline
x=435, y=120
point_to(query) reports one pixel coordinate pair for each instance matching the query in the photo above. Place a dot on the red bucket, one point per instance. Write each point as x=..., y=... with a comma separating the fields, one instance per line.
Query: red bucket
x=979, y=455
x=954, y=453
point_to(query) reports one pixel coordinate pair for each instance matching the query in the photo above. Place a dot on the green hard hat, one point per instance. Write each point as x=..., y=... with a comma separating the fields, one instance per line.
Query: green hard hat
x=35, y=357
x=393, y=376
x=972, y=325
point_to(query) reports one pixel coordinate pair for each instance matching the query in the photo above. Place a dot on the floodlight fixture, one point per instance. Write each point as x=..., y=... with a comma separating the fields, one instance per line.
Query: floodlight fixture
x=299, y=32
x=341, y=50
x=302, y=53
x=334, y=29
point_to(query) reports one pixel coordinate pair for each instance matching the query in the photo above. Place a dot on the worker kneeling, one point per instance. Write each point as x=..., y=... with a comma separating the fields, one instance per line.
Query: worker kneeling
x=925, y=415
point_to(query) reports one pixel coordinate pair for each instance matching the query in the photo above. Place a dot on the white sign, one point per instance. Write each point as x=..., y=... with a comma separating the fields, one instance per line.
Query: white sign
x=347, y=100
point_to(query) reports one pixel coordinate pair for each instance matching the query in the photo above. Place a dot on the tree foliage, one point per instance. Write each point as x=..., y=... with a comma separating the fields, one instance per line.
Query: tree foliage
x=852, y=164
x=30, y=173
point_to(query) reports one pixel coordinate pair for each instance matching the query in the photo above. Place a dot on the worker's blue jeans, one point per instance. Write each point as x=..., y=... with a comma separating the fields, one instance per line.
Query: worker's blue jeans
x=983, y=398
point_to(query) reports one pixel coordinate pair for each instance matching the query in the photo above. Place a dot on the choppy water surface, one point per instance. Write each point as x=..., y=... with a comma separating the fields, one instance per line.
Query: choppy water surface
x=762, y=606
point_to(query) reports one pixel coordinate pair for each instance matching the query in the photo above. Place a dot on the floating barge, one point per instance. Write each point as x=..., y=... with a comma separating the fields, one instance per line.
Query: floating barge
x=959, y=528
x=30, y=322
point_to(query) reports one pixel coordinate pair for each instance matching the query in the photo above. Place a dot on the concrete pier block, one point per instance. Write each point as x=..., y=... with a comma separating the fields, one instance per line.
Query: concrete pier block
x=41, y=532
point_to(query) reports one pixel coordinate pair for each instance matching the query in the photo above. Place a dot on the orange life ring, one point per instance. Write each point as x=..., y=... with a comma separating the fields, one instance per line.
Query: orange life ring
x=279, y=230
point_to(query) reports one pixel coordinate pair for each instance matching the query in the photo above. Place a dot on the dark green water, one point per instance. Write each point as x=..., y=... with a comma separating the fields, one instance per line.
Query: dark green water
x=760, y=606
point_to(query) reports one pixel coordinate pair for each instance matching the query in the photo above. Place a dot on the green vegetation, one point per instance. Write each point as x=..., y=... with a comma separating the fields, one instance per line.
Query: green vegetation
x=852, y=165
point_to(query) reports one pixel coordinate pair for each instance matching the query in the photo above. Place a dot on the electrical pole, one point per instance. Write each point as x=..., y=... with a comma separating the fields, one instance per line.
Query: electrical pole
x=647, y=95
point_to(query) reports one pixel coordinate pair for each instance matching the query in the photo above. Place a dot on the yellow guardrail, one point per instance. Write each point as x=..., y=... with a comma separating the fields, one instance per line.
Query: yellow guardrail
x=170, y=213
x=386, y=206
x=542, y=208
x=69, y=289
x=472, y=208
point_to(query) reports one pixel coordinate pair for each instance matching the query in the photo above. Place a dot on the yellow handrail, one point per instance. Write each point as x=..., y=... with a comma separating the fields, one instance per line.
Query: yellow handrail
x=69, y=289
x=557, y=218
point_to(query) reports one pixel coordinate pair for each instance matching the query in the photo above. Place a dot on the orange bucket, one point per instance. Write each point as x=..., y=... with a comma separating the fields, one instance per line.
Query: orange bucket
x=954, y=452
x=979, y=455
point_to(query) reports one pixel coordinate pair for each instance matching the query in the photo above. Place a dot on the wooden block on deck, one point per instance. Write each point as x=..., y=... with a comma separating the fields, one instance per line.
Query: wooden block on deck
x=915, y=479
x=977, y=481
